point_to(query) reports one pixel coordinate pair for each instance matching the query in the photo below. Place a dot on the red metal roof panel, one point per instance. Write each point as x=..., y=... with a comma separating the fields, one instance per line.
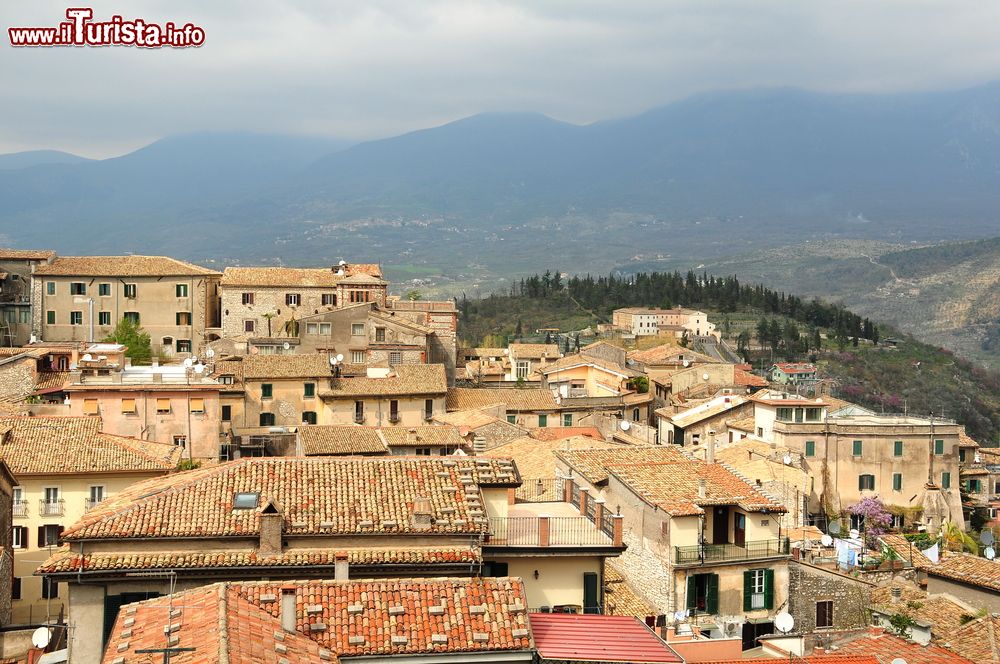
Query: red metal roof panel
x=584, y=638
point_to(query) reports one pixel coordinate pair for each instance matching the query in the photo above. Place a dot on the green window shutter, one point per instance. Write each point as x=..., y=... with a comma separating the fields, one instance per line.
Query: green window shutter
x=768, y=589
x=939, y=447
x=712, y=594
x=512, y=419
x=265, y=390
x=543, y=420
x=897, y=448
x=310, y=389
x=857, y=448
x=861, y=482
x=810, y=448
x=692, y=593
x=897, y=481
x=747, y=589
x=945, y=480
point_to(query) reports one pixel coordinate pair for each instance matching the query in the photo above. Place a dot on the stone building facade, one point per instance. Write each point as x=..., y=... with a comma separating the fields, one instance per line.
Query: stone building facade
x=837, y=601
x=16, y=266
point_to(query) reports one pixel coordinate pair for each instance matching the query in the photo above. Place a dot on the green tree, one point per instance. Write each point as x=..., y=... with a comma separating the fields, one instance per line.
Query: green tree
x=130, y=334
x=413, y=295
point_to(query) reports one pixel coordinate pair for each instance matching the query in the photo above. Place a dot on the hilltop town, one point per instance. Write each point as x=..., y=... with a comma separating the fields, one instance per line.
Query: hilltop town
x=290, y=465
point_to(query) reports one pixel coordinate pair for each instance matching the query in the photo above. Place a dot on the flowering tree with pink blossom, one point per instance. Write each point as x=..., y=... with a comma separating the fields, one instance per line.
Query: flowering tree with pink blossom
x=877, y=519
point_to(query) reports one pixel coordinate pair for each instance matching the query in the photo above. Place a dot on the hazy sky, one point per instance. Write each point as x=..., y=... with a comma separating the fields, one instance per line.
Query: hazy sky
x=361, y=69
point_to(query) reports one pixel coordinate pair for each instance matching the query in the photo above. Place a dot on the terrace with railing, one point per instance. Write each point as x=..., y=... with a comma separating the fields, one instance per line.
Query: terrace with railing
x=700, y=554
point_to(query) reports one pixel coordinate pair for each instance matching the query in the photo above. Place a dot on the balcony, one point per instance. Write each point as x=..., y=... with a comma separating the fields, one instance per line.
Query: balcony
x=705, y=554
x=91, y=503
x=359, y=418
x=542, y=531
x=20, y=508
x=51, y=507
x=393, y=417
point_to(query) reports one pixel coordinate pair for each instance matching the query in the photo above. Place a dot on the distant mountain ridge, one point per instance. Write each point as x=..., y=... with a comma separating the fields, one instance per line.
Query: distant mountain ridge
x=17, y=160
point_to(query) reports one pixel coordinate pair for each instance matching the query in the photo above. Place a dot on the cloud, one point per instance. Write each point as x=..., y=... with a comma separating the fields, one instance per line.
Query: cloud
x=361, y=69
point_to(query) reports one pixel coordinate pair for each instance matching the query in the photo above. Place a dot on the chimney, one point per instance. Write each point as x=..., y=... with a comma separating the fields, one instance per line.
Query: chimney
x=341, y=570
x=710, y=450
x=702, y=487
x=288, y=613
x=271, y=523
x=895, y=594
x=478, y=445
x=423, y=514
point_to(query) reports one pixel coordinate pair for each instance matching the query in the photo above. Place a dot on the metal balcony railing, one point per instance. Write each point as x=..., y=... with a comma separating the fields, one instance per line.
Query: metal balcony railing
x=720, y=553
x=393, y=417
x=359, y=418
x=51, y=507
x=530, y=531
x=20, y=508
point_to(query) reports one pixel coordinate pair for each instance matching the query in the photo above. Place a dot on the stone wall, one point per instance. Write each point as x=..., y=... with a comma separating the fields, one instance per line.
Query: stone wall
x=17, y=379
x=646, y=573
x=809, y=584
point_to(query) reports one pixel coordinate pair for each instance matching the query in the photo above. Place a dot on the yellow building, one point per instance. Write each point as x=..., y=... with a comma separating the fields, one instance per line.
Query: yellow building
x=64, y=466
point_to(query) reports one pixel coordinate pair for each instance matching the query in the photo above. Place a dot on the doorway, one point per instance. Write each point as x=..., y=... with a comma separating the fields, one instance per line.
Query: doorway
x=720, y=525
x=740, y=529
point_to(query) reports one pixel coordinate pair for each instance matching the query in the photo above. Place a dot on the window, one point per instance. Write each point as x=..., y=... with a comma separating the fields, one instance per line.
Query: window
x=245, y=501
x=961, y=455
x=866, y=482
x=897, y=481
x=357, y=329
x=395, y=357
x=129, y=291
x=897, y=448
x=312, y=328
x=104, y=290
x=422, y=451
x=226, y=380
x=76, y=318
x=522, y=369
x=784, y=414
x=945, y=480
x=309, y=417
x=50, y=589
x=50, y=318
x=309, y=390
x=15, y=589
x=128, y=407
x=182, y=318
x=358, y=356
x=329, y=299
x=512, y=419
x=50, y=288
x=96, y=495
x=359, y=411
x=49, y=535
x=813, y=414
x=393, y=410
x=824, y=613
x=267, y=419
x=25, y=315
x=162, y=406
x=543, y=420
x=180, y=441
x=247, y=299
x=90, y=407
x=380, y=334
x=567, y=419
x=131, y=316
x=810, y=448
x=198, y=405
x=183, y=345
x=857, y=448
x=703, y=593
x=181, y=290
x=78, y=288
x=19, y=537
x=939, y=447
x=898, y=522
x=227, y=413
x=975, y=486
x=266, y=390
x=104, y=318
x=293, y=299
x=758, y=589
x=635, y=414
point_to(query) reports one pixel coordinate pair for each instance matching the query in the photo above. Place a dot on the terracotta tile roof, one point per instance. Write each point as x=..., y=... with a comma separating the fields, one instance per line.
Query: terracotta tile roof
x=965, y=440
x=597, y=638
x=483, y=352
x=322, y=440
x=673, y=487
x=747, y=379
x=968, y=569
x=743, y=424
x=765, y=464
x=886, y=648
x=222, y=626
x=669, y=354
x=978, y=640
x=535, y=459
x=702, y=411
x=277, y=277
x=371, y=269
x=527, y=399
x=470, y=419
x=403, y=380
x=121, y=266
x=558, y=433
x=480, y=614
x=796, y=367
x=48, y=381
x=65, y=561
x=907, y=551
x=530, y=351
x=811, y=659
x=422, y=436
x=944, y=613
x=373, y=495
x=399, y=320
x=621, y=599
x=306, y=365
x=57, y=445
x=229, y=367
x=592, y=464
x=577, y=360
x=25, y=254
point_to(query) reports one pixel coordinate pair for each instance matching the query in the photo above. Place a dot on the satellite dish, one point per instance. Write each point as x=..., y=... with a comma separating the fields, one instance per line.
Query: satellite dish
x=340, y=358
x=41, y=637
x=787, y=459
x=209, y=353
x=826, y=540
x=704, y=376
x=342, y=263
x=686, y=363
x=854, y=533
x=333, y=360
x=199, y=368
x=834, y=528
x=506, y=351
x=624, y=425
x=979, y=458
x=188, y=362
x=990, y=553
x=286, y=345
x=784, y=622
x=987, y=537
x=87, y=357
x=898, y=660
